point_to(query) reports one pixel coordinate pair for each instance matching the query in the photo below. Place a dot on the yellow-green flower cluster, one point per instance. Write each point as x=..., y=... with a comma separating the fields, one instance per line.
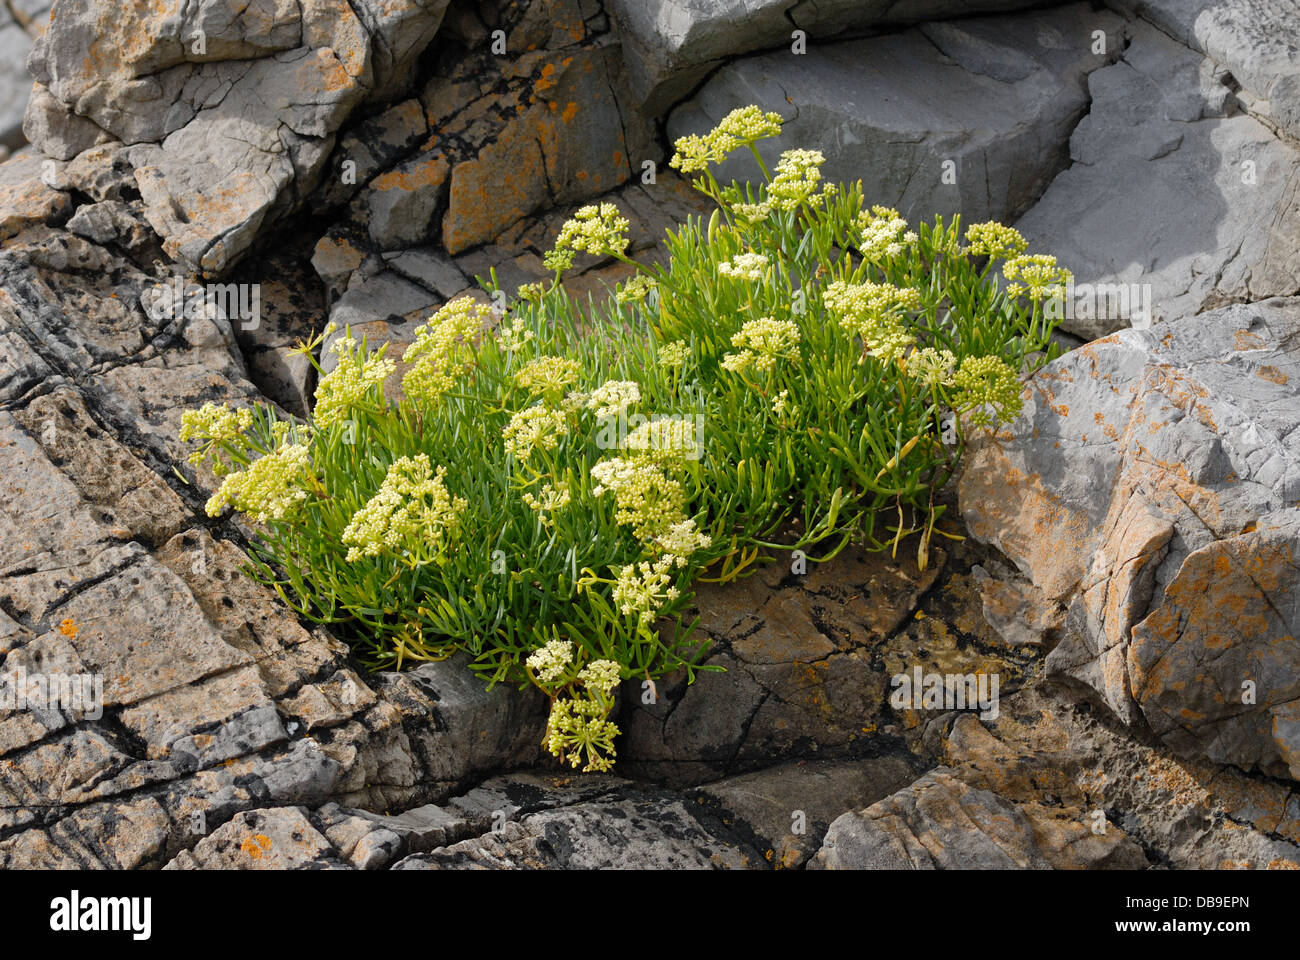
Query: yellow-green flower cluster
x=355, y=380
x=538, y=427
x=744, y=125
x=554, y=497
x=680, y=540
x=747, y=125
x=982, y=382
x=931, y=367
x=1035, y=274
x=781, y=403
x=667, y=438
x=215, y=424
x=513, y=337
x=764, y=342
x=695, y=153
x=270, y=489
x=613, y=397
x=635, y=289
x=548, y=375
x=752, y=213
x=601, y=676
x=645, y=497
x=744, y=266
x=673, y=354
x=995, y=240
x=443, y=348
x=578, y=728
x=874, y=312
x=797, y=174
x=531, y=292
x=884, y=233
x=549, y=663
x=641, y=589
x=413, y=512
x=596, y=229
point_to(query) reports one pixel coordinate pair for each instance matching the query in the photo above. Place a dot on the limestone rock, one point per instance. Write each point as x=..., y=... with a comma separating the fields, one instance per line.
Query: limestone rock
x=1210, y=212
x=14, y=82
x=649, y=831
x=1150, y=485
x=673, y=44
x=969, y=116
x=1258, y=41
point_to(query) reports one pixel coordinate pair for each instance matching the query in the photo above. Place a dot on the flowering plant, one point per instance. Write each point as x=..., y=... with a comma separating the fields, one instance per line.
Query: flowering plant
x=551, y=482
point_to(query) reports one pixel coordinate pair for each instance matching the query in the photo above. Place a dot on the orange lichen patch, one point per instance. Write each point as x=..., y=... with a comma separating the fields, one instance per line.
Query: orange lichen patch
x=324, y=72
x=1272, y=374
x=69, y=627
x=430, y=172
x=256, y=845
x=1030, y=523
x=570, y=111
x=1245, y=340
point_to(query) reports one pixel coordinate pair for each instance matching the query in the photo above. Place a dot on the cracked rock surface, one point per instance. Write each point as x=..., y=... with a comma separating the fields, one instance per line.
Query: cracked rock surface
x=1131, y=537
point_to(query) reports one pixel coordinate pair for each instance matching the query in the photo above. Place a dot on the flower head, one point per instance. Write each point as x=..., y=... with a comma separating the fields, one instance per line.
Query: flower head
x=443, y=348
x=984, y=382
x=673, y=354
x=646, y=497
x=216, y=425
x=635, y=289
x=665, y=438
x=641, y=589
x=883, y=233
x=550, y=662
x=1038, y=275
x=995, y=240
x=744, y=266
x=600, y=676
x=742, y=126
x=874, y=312
x=613, y=397
x=270, y=489
x=596, y=229
x=412, y=512
x=680, y=540
x=931, y=367
x=548, y=375
x=578, y=728
x=358, y=378
x=797, y=174
x=554, y=497
x=538, y=427
x=764, y=342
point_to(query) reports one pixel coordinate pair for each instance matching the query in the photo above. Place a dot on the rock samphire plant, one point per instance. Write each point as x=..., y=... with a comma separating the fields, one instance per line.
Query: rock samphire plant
x=556, y=476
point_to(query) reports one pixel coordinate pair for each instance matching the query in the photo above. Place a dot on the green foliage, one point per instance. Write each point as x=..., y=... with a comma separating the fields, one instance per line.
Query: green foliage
x=553, y=481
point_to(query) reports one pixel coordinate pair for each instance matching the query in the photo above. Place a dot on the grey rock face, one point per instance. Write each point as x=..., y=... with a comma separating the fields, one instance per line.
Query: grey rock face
x=967, y=116
x=1258, y=41
x=1150, y=484
x=673, y=44
x=1209, y=208
x=232, y=108
x=14, y=82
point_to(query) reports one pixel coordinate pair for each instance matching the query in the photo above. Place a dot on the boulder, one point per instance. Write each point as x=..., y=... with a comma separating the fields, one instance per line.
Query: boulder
x=231, y=109
x=671, y=45
x=966, y=116
x=1150, y=485
x=1210, y=212
x=1256, y=41
x=15, y=84
x=941, y=823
